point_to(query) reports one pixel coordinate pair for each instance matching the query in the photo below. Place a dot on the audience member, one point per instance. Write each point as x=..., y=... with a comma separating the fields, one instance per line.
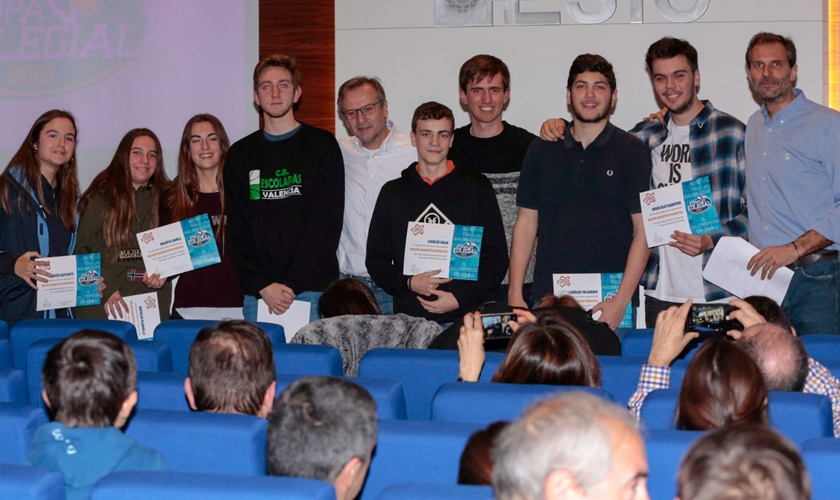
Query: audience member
x=434, y=191
x=284, y=196
x=347, y=296
x=375, y=154
x=231, y=370
x=198, y=189
x=722, y=386
x=476, y=465
x=323, y=428
x=544, y=349
x=575, y=445
x=746, y=462
x=120, y=202
x=90, y=389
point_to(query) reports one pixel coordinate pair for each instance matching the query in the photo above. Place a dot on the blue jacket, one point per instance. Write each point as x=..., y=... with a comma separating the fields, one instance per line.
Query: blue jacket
x=84, y=455
x=22, y=231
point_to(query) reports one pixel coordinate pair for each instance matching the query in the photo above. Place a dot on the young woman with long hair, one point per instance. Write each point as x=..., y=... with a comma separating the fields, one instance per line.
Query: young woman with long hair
x=198, y=189
x=122, y=201
x=38, y=194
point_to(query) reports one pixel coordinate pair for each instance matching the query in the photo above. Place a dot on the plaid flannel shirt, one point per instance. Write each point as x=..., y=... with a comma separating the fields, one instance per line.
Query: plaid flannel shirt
x=717, y=151
x=819, y=381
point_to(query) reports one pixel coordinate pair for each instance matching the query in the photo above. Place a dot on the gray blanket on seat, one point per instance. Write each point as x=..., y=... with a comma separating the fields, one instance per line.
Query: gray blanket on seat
x=353, y=336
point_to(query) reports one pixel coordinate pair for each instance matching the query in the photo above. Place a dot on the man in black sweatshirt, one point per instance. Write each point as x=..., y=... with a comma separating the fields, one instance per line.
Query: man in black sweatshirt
x=433, y=190
x=284, y=191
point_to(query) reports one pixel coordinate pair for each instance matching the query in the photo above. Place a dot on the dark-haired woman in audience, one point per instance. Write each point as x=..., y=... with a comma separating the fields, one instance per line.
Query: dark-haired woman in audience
x=347, y=296
x=39, y=191
x=544, y=349
x=198, y=189
x=476, y=466
x=122, y=201
x=722, y=386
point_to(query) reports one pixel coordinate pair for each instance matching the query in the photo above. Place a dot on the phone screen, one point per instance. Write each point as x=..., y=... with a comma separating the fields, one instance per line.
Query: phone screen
x=497, y=325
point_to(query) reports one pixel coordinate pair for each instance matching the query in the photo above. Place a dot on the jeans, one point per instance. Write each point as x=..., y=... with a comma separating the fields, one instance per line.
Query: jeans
x=249, y=306
x=386, y=302
x=811, y=302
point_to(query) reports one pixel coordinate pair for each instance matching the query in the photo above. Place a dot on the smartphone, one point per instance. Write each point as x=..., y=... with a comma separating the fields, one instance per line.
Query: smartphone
x=712, y=317
x=497, y=324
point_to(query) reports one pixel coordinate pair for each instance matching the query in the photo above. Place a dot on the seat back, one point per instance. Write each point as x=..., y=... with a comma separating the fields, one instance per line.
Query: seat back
x=299, y=359
x=205, y=443
x=420, y=372
x=17, y=426
x=822, y=347
x=136, y=485
x=26, y=332
x=485, y=403
x=822, y=459
x=23, y=482
x=388, y=394
x=436, y=492
x=416, y=452
x=161, y=391
x=638, y=343
x=620, y=375
x=180, y=334
x=13, y=386
x=665, y=450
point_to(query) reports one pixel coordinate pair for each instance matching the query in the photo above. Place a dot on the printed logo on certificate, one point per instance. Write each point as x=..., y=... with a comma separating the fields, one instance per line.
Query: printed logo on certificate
x=687, y=207
x=455, y=250
x=179, y=247
x=143, y=313
x=73, y=283
x=591, y=288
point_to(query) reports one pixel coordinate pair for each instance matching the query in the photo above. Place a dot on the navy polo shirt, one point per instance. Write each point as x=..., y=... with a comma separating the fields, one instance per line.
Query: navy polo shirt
x=585, y=198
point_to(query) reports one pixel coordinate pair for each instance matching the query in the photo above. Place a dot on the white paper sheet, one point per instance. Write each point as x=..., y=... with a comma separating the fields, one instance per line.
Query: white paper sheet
x=295, y=318
x=143, y=313
x=727, y=268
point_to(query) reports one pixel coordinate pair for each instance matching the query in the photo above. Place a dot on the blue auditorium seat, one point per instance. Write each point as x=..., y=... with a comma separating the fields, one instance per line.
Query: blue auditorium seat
x=620, y=375
x=299, y=359
x=388, y=394
x=13, y=386
x=485, y=403
x=179, y=336
x=17, y=425
x=638, y=343
x=420, y=372
x=665, y=449
x=180, y=486
x=161, y=391
x=796, y=415
x=822, y=347
x=416, y=452
x=822, y=459
x=204, y=443
x=436, y=492
x=28, y=331
x=22, y=482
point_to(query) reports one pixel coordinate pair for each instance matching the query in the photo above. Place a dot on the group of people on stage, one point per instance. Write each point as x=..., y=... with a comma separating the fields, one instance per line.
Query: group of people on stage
x=294, y=209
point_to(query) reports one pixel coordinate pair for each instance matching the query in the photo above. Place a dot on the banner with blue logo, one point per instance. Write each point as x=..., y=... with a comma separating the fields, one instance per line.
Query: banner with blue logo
x=179, y=247
x=687, y=207
x=73, y=281
x=466, y=248
x=589, y=289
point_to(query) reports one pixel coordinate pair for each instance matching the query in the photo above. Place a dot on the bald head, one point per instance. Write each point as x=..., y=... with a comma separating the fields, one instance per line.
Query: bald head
x=780, y=355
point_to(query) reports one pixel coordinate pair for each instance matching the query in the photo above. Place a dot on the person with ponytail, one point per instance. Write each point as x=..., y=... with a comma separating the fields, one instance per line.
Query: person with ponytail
x=39, y=191
x=198, y=189
x=122, y=201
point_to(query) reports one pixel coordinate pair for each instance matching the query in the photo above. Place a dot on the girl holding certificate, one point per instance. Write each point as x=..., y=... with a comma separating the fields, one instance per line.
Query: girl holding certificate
x=198, y=189
x=122, y=201
x=38, y=194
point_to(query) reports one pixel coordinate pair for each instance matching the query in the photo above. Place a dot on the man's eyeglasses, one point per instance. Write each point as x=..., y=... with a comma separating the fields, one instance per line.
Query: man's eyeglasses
x=352, y=114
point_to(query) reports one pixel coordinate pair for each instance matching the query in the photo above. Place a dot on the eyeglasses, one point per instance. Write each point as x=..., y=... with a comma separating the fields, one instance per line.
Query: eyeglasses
x=352, y=114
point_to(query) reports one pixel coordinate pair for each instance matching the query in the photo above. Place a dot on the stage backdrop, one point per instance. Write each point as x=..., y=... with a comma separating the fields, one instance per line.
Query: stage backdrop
x=404, y=43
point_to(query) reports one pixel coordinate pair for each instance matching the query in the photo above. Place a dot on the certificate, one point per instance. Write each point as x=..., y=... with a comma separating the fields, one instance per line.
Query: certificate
x=73, y=283
x=591, y=288
x=179, y=247
x=687, y=207
x=143, y=313
x=455, y=250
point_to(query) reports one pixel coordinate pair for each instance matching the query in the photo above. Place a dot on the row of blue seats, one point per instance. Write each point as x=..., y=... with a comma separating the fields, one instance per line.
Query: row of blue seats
x=408, y=452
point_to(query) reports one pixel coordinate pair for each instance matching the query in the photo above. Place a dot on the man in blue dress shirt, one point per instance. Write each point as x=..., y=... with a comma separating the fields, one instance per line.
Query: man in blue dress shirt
x=793, y=186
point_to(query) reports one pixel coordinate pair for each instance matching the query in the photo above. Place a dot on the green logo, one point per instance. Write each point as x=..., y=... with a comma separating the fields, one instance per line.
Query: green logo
x=281, y=186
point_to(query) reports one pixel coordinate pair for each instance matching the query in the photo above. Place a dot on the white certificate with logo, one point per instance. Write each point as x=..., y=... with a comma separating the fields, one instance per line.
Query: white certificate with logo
x=143, y=313
x=455, y=250
x=73, y=282
x=687, y=207
x=589, y=289
x=179, y=247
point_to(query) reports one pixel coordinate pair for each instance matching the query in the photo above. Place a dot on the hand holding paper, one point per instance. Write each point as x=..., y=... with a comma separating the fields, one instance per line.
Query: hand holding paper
x=727, y=268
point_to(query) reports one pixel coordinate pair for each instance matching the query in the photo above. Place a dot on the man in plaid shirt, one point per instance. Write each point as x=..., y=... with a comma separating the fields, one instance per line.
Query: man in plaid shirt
x=774, y=344
x=693, y=140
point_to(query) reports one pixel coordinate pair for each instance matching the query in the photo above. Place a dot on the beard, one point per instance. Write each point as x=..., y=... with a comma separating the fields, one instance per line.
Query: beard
x=600, y=114
x=783, y=89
